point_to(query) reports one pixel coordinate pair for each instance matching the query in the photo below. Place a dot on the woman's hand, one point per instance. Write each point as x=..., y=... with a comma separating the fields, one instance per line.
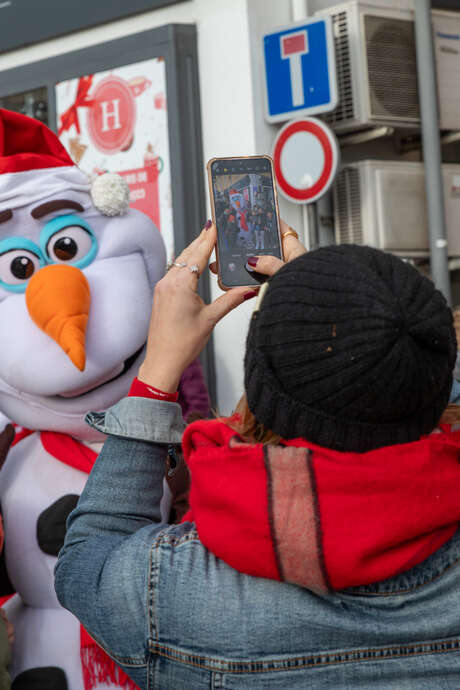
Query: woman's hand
x=292, y=248
x=268, y=265
x=181, y=322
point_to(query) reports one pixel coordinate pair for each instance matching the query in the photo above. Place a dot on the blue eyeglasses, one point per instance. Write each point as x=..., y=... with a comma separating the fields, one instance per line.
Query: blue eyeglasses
x=63, y=240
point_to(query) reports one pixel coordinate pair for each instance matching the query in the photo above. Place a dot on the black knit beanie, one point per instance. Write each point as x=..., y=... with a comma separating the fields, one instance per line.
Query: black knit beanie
x=351, y=349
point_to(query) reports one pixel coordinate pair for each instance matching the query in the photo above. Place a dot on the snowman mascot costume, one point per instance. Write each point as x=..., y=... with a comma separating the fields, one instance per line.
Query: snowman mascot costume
x=77, y=272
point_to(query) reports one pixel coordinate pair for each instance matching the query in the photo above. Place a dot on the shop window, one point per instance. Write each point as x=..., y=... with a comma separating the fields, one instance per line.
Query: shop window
x=33, y=103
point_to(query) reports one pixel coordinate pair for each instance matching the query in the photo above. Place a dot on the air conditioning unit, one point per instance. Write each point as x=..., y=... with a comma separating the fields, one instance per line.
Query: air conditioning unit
x=383, y=204
x=377, y=70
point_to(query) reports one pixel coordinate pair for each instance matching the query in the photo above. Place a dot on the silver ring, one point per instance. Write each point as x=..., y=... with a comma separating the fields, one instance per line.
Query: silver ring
x=193, y=269
x=178, y=264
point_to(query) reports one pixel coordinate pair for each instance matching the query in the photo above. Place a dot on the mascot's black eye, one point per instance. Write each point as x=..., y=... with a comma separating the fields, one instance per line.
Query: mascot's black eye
x=65, y=248
x=22, y=267
x=72, y=243
x=17, y=266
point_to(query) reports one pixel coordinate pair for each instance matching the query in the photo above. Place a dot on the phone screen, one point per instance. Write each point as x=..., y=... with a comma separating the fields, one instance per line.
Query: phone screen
x=245, y=215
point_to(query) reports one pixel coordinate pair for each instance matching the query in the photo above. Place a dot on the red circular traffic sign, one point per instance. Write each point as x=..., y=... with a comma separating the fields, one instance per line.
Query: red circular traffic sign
x=306, y=156
x=112, y=116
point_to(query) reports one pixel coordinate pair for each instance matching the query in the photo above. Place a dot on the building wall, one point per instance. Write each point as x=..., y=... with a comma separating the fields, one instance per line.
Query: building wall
x=231, y=87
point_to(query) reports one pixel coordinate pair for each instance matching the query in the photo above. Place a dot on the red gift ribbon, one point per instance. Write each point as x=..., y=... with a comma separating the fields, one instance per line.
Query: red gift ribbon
x=70, y=116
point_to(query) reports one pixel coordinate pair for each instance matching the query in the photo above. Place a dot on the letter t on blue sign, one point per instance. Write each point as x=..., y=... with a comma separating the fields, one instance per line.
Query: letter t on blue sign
x=300, y=74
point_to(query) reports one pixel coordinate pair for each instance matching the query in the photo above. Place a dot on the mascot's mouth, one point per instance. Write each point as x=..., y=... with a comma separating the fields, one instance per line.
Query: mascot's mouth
x=127, y=364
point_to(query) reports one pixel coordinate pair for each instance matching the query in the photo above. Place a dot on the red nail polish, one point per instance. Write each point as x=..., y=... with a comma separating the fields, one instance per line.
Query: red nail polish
x=208, y=224
x=252, y=260
x=248, y=295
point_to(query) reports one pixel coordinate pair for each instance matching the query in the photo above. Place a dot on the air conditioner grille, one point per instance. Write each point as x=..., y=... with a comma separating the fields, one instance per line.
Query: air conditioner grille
x=349, y=223
x=392, y=68
x=344, y=110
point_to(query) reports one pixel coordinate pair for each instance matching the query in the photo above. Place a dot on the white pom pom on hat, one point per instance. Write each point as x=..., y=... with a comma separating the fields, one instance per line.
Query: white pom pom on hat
x=110, y=194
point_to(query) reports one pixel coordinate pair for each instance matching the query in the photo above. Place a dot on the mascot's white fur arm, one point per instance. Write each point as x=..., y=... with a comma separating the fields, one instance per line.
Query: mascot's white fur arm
x=4, y=420
x=76, y=282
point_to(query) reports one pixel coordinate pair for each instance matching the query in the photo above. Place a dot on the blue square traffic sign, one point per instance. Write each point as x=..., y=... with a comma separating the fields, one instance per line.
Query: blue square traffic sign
x=300, y=75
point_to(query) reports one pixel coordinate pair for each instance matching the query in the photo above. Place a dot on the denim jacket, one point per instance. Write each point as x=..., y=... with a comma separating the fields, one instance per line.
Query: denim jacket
x=176, y=617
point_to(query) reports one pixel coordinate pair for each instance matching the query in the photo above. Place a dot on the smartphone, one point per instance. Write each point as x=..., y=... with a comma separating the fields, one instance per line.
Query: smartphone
x=244, y=208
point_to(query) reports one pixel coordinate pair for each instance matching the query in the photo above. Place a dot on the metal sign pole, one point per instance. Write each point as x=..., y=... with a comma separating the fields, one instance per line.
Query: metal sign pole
x=313, y=234
x=431, y=147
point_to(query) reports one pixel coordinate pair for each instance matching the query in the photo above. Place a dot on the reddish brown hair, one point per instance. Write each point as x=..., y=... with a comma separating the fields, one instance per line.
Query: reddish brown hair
x=247, y=426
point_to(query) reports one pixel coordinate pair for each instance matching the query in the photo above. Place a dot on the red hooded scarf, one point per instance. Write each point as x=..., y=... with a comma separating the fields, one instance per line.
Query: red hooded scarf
x=319, y=518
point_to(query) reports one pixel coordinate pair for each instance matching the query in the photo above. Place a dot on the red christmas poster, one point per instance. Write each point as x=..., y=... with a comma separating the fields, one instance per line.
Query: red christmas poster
x=118, y=121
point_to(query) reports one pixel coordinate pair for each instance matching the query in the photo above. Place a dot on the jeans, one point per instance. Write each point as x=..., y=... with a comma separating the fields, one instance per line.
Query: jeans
x=259, y=239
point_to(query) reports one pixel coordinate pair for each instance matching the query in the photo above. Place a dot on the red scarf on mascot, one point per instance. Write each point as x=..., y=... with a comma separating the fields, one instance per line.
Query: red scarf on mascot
x=319, y=518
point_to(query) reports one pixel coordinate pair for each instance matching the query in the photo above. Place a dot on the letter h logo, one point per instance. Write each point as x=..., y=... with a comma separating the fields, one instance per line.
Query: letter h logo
x=110, y=114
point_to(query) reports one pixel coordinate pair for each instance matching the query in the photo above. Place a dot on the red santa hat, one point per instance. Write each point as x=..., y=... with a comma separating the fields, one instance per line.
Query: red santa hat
x=34, y=165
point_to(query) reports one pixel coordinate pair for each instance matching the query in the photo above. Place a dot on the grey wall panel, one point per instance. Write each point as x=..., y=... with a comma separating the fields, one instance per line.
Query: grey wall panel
x=49, y=18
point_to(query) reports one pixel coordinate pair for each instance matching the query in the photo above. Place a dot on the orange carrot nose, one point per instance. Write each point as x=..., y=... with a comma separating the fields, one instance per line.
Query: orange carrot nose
x=58, y=299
